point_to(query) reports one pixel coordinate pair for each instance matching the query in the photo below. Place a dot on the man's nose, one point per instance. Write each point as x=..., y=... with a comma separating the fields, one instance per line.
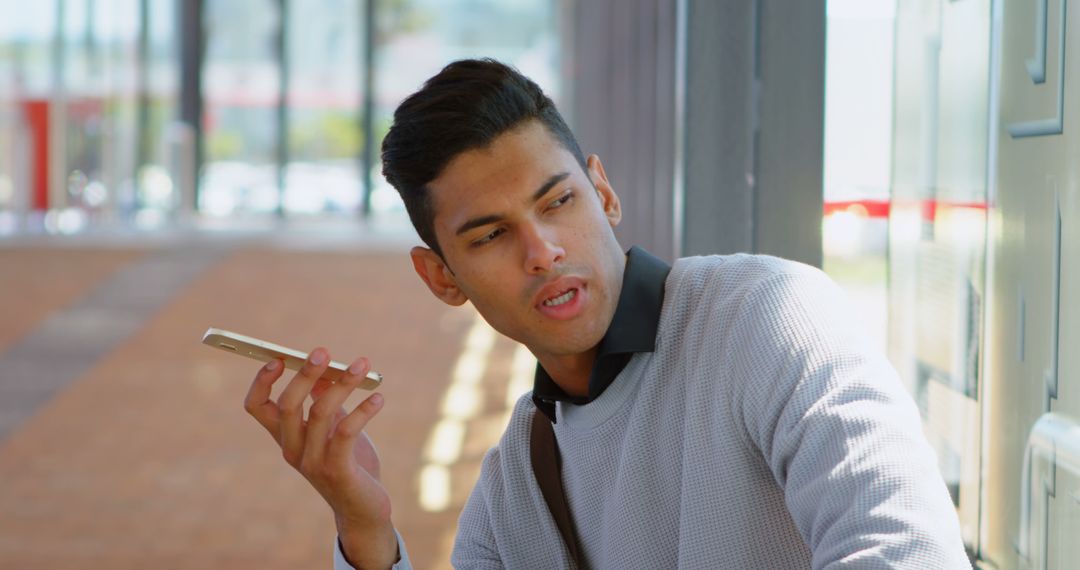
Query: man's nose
x=542, y=254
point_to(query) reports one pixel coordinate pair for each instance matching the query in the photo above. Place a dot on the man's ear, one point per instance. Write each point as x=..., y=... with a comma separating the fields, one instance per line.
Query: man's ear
x=608, y=199
x=437, y=276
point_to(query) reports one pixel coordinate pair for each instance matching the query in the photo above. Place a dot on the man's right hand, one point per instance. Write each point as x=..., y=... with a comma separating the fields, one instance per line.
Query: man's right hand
x=331, y=451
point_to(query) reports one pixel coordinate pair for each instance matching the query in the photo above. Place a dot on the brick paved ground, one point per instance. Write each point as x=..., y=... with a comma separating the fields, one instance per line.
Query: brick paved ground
x=147, y=458
x=36, y=282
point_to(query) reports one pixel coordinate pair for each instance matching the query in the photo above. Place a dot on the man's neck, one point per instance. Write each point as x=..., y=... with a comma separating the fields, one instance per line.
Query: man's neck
x=571, y=372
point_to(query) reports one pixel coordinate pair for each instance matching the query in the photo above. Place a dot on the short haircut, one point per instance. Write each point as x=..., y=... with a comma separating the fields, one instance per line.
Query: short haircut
x=464, y=107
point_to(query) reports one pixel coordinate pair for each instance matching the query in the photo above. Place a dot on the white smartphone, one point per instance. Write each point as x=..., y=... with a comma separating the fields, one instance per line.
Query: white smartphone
x=265, y=351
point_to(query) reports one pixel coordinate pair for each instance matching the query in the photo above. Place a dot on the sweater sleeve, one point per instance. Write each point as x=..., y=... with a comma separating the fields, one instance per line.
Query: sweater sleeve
x=340, y=563
x=839, y=433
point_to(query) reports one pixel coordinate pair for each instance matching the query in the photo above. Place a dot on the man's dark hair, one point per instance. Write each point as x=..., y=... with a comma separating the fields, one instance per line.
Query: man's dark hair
x=464, y=107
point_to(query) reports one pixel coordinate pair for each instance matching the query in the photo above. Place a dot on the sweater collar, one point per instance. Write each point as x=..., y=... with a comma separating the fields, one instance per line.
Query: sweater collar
x=632, y=330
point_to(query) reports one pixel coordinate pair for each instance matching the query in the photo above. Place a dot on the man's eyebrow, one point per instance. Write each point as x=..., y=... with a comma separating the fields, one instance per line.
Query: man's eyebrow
x=549, y=184
x=477, y=222
x=492, y=218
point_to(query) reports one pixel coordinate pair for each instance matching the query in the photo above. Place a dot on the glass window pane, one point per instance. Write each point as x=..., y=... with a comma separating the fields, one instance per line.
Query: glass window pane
x=25, y=56
x=26, y=63
x=97, y=104
x=325, y=136
x=938, y=230
x=858, y=142
x=241, y=79
x=156, y=191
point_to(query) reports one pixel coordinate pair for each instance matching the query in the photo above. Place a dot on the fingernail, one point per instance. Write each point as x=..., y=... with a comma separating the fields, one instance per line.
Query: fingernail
x=272, y=365
x=376, y=398
x=318, y=357
x=356, y=367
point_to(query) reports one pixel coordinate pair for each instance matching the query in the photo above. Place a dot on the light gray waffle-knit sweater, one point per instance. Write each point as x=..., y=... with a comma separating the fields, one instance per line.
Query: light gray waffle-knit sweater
x=763, y=432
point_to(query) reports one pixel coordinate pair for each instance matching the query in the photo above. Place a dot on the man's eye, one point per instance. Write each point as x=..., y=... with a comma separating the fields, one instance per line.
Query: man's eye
x=562, y=200
x=488, y=237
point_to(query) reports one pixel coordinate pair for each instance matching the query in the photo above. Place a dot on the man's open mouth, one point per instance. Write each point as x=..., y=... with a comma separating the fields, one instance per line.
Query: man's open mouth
x=561, y=299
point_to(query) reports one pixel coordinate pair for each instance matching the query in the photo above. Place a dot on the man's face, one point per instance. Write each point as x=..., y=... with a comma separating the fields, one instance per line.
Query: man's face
x=528, y=237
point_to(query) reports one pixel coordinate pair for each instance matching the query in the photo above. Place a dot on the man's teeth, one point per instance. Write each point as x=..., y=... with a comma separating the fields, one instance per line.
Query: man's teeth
x=565, y=297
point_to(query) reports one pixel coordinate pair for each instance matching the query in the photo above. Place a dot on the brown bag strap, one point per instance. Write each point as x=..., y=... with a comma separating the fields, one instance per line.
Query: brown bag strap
x=546, y=464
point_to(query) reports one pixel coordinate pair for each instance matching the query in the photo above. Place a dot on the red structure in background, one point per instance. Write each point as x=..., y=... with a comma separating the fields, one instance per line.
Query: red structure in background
x=880, y=208
x=36, y=112
x=869, y=208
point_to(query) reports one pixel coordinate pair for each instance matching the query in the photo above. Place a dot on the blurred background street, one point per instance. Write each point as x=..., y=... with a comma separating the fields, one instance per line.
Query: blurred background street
x=124, y=442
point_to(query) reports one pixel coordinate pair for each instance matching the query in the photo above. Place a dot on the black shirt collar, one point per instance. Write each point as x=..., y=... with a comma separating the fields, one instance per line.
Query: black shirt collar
x=632, y=329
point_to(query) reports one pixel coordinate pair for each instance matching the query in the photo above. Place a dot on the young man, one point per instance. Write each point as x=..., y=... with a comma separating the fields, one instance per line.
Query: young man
x=718, y=413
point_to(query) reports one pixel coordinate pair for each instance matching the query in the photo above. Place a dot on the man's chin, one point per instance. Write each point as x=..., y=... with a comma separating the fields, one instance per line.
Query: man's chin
x=564, y=347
